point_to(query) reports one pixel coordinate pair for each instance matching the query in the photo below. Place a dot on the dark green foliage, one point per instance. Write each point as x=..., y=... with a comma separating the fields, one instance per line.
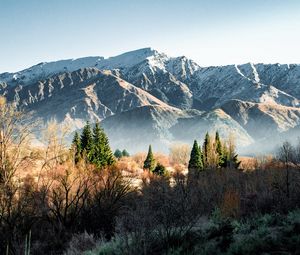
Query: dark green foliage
x=118, y=154
x=267, y=234
x=195, y=163
x=101, y=154
x=86, y=140
x=125, y=153
x=218, y=143
x=224, y=158
x=159, y=169
x=220, y=150
x=206, y=149
x=76, y=146
x=94, y=146
x=234, y=162
x=149, y=163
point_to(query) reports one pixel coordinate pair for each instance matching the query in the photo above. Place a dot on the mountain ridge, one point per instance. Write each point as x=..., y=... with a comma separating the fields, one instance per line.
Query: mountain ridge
x=96, y=88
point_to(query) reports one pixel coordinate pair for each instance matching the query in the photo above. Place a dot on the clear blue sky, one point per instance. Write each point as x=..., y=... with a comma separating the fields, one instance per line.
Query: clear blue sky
x=212, y=32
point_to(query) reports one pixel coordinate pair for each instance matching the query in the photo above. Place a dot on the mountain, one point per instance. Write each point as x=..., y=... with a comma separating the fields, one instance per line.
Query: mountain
x=148, y=124
x=85, y=94
x=263, y=120
x=145, y=96
x=194, y=127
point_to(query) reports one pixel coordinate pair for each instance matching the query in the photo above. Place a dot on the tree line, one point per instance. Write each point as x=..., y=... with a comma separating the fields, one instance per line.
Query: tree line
x=52, y=195
x=93, y=146
x=214, y=153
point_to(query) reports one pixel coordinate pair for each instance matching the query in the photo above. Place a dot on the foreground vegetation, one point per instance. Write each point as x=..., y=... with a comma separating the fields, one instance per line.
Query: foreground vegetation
x=84, y=200
x=267, y=234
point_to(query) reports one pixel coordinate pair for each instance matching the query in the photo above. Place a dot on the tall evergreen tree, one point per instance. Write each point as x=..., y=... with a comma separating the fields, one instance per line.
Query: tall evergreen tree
x=218, y=144
x=219, y=151
x=195, y=163
x=101, y=153
x=232, y=156
x=149, y=163
x=225, y=156
x=206, y=149
x=86, y=140
x=76, y=146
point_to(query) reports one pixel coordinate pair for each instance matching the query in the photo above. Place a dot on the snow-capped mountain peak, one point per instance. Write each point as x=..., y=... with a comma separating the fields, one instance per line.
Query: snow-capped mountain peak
x=139, y=83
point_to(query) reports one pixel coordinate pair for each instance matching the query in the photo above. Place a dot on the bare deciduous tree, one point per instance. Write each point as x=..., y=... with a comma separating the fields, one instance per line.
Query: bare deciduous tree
x=15, y=132
x=286, y=154
x=180, y=153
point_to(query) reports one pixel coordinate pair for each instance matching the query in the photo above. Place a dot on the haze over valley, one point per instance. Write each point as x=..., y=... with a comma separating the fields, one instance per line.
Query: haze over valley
x=145, y=96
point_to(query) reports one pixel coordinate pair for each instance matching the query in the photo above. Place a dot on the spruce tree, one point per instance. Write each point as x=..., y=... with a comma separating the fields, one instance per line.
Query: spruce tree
x=125, y=153
x=118, y=154
x=76, y=146
x=101, y=153
x=195, y=163
x=225, y=156
x=218, y=144
x=86, y=140
x=149, y=163
x=108, y=155
x=219, y=150
x=206, y=149
x=232, y=156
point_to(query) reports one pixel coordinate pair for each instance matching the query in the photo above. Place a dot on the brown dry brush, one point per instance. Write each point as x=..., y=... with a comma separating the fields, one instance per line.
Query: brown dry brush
x=63, y=199
x=164, y=215
x=159, y=216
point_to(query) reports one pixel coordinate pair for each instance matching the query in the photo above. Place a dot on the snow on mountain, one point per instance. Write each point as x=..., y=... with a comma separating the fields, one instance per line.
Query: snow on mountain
x=263, y=119
x=45, y=70
x=213, y=86
x=129, y=59
x=96, y=88
x=85, y=94
x=126, y=60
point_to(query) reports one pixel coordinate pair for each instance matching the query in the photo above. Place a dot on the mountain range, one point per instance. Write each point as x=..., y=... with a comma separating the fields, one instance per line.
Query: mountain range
x=144, y=96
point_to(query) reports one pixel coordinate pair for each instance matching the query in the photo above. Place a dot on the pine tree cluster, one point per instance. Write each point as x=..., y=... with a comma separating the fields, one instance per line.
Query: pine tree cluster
x=119, y=154
x=93, y=146
x=214, y=153
x=151, y=165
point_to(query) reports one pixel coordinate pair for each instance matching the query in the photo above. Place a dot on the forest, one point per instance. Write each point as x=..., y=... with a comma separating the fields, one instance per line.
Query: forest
x=84, y=198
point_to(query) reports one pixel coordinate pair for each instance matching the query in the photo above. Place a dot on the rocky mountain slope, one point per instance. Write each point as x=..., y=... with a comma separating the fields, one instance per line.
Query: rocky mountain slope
x=145, y=96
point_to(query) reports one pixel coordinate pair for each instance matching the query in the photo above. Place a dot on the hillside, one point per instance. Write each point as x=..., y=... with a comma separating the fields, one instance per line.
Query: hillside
x=257, y=100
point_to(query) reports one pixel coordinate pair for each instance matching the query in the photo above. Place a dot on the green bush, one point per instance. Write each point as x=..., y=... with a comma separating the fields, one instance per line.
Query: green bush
x=266, y=234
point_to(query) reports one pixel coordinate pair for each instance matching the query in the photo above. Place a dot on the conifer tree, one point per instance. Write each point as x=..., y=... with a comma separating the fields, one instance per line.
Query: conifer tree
x=101, y=154
x=232, y=157
x=218, y=144
x=219, y=150
x=76, y=146
x=108, y=155
x=225, y=156
x=195, y=163
x=118, y=154
x=125, y=153
x=86, y=140
x=206, y=149
x=149, y=163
